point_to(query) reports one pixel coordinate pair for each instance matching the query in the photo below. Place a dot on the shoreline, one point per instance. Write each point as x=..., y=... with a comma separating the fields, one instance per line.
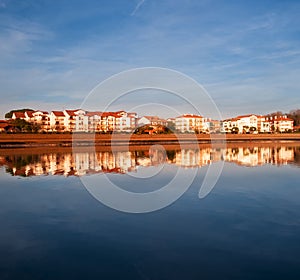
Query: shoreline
x=131, y=148
x=8, y=141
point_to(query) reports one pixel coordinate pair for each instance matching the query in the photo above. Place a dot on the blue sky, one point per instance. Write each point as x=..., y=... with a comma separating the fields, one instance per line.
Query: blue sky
x=245, y=53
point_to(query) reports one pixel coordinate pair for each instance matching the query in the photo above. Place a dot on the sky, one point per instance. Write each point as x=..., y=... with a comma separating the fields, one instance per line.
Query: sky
x=246, y=54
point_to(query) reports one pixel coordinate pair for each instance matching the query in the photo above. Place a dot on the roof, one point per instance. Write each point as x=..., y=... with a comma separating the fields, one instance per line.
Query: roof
x=241, y=117
x=19, y=115
x=109, y=114
x=29, y=113
x=58, y=113
x=246, y=116
x=90, y=114
x=190, y=116
x=72, y=112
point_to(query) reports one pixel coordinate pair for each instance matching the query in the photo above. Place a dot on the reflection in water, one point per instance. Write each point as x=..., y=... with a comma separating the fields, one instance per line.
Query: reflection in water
x=85, y=163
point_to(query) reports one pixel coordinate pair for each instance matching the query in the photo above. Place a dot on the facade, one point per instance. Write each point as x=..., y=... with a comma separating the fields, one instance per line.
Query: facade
x=257, y=124
x=81, y=122
x=211, y=126
x=189, y=123
x=108, y=122
x=246, y=124
x=42, y=119
x=70, y=119
x=281, y=124
x=57, y=121
x=120, y=121
x=263, y=125
x=93, y=120
x=125, y=122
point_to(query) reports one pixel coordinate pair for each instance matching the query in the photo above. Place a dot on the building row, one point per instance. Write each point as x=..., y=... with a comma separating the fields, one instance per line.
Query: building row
x=257, y=124
x=85, y=121
x=79, y=120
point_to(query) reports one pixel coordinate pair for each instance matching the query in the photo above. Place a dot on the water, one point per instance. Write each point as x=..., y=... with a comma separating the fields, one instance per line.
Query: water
x=248, y=227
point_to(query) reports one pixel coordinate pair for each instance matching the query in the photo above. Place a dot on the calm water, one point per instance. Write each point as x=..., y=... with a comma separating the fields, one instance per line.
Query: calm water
x=248, y=227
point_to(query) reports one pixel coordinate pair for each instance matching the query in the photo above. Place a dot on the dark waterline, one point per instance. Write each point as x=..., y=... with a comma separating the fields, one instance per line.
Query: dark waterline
x=248, y=227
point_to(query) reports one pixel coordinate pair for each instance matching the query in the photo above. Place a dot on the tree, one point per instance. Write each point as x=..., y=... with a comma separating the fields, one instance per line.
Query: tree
x=295, y=115
x=245, y=129
x=9, y=114
x=252, y=129
x=171, y=126
x=24, y=126
x=153, y=129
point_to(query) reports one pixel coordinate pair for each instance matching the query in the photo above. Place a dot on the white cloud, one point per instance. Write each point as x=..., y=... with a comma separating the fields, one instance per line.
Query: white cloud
x=137, y=7
x=2, y=4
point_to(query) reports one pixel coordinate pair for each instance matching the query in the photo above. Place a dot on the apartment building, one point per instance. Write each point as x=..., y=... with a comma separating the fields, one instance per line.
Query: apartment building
x=125, y=122
x=189, y=123
x=281, y=123
x=246, y=124
x=42, y=119
x=57, y=121
x=120, y=121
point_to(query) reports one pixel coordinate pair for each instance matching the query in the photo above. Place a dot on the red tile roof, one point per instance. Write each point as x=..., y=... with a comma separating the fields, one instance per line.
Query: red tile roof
x=109, y=114
x=190, y=116
x=72, y=112
x=29, y=113
x=90, y=114
x=19, y=115
x=246, y=116
x=58, y=113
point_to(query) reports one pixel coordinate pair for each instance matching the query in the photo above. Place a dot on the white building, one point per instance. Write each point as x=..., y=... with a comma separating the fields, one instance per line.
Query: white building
x=246, y=124
x=125, y=122
x=57, y=121
x=281, y=123
x=70, y=119
x=189, y=123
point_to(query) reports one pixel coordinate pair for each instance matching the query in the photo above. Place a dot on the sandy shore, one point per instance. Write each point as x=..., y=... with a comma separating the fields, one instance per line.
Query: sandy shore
x=65, y=140
x=101, y=148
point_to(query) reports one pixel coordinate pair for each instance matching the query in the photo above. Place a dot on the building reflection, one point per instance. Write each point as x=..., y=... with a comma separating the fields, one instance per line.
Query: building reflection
x=86, y=163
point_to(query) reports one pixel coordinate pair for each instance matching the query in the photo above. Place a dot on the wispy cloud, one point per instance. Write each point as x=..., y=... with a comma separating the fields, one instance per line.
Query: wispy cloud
x=2, y=4
x=137, y=7
x=59, y=61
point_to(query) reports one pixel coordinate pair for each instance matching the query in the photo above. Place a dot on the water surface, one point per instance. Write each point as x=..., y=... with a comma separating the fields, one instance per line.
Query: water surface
x=248, y=227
